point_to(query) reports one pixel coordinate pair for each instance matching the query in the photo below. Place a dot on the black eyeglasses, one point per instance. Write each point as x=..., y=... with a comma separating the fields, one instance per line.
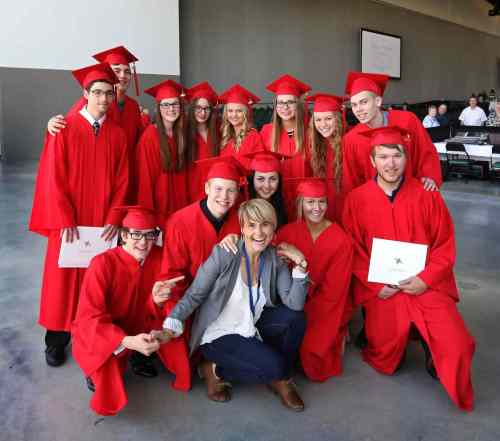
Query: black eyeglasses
x=149, y=235
x=167, y=106
x=290, y=103
x=200, y=109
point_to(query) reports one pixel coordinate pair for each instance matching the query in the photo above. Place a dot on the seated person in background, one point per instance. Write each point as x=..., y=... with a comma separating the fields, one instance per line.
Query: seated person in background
x=494, y=116
x=113, y=312
x=393, y=206
x=442, y=115
x=329, y=253
x=431, y=118
x=472, y=115
x=250, y=321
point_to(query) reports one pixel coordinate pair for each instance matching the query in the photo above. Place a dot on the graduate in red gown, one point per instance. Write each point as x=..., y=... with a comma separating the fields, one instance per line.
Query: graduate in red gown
x=366, y=91
x=124, y=110
x=325, y=148
x=192, y=232
x=329, y=253
x=287, y=133
x=119, y=294
x=395, y=206
x=83, y=174
x=161, y=154
x=237, y=135
x=202, y=135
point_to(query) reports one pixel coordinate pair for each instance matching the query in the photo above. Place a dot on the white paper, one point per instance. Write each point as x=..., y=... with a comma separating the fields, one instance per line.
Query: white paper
x=392, y=261
x=79, y=253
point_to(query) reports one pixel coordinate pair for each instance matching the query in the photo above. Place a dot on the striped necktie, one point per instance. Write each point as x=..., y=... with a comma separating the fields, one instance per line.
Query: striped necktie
x=96, y=127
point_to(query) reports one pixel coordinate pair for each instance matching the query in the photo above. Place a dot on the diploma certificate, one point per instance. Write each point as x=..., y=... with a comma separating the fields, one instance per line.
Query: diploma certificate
x=79, y=253
x=392, y=261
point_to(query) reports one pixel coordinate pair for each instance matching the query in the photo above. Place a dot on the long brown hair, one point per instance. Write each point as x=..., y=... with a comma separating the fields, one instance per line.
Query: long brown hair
x=299, y=130
x=179, y=137
x=192, y=133
x=319, y=147
x=228, y=132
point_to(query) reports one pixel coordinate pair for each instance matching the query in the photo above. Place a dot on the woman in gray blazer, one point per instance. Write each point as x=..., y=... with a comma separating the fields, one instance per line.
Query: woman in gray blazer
x=249, y=320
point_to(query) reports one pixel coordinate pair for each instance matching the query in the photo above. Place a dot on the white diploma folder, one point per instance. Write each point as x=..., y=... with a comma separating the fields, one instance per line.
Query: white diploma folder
x=79, y=253
x=392, y=261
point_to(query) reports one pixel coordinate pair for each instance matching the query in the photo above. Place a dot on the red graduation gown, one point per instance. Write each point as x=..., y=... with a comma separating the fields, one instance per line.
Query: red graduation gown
x=421, y=217
x=115, y=301
x=295, y=167
x=196, y=180
x=128, y=117
x=423, y=159
x=251, y=143
x=328, y=307
x=336, y=196
x=80, y=178
x=164, y=191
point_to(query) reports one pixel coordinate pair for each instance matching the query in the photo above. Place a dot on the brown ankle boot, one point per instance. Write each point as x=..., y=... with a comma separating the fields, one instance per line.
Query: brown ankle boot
x=287, y=391
x=217, y=390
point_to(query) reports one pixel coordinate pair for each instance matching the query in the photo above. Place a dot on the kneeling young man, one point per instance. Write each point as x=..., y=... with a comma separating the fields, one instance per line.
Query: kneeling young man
x=114, y=310
x=394, y=207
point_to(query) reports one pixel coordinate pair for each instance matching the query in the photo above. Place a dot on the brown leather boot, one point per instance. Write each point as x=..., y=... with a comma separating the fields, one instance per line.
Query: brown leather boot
x=287, y=391
x=217, y=390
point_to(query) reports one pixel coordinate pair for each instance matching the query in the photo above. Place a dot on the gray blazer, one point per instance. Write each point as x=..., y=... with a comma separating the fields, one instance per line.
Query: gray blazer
x=214, y=284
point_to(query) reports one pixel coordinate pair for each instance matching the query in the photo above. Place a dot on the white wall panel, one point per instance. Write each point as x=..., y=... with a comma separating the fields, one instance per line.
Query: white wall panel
x=57, y=34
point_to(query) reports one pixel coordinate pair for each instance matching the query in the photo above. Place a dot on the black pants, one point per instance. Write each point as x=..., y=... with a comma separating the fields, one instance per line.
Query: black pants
x=250, y=360
x=57, y=338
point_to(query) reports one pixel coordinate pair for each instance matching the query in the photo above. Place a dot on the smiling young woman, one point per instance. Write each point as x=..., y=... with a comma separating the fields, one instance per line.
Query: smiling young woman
x=325, y=148
x=161, y=153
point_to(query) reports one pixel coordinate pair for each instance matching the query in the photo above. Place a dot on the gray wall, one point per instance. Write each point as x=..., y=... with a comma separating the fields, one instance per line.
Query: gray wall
x=252, y=42
x=31, y=96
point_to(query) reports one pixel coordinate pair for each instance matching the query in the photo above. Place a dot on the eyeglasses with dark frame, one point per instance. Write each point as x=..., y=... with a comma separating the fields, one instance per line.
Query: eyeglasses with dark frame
x=149, y=235
x=289, y=103
x=98, y=93
x=168, y=106
x=200, y=109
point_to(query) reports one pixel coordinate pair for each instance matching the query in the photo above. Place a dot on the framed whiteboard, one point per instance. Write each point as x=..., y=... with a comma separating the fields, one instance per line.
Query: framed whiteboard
x=380, y=53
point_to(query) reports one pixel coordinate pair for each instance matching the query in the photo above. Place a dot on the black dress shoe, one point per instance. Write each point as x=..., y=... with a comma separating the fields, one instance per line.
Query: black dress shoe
x=142, y=365
x=55, y=355
x=361, y=341
x=429, y=362
x=90, y=384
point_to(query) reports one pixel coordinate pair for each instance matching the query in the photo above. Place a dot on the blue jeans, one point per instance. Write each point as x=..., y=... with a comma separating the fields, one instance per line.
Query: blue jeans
x=249, y=360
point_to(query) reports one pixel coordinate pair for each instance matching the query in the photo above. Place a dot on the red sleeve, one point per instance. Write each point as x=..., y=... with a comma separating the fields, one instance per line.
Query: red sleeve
x=96, y=336
x=149, y=169
x=363, y=290
x=52, y=205
x=351, y=169
x=441, y=252
x=176, y=259
x=121, y=181
x=427, y=163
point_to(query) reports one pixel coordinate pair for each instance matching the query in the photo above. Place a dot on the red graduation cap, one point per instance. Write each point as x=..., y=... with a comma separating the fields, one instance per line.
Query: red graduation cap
x=120, y=55
x=138, y=217
x=224, y=167
x=202, y=90
x=385, y=135
x=288, y=85
x=324, y=102
x=370, y=82
x=100, y=71
x=310, y=187
x=266, y=161
x=238, y=94
x=165, y=89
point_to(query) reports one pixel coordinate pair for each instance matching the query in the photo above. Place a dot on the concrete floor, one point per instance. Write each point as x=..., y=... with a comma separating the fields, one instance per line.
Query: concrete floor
x=51, y=404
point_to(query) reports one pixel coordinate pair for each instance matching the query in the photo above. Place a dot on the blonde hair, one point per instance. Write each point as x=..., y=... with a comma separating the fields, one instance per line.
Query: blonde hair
x=257, y=210
x=319, y=152
x=399, y=147
x=228, y=132
x=298, y=132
